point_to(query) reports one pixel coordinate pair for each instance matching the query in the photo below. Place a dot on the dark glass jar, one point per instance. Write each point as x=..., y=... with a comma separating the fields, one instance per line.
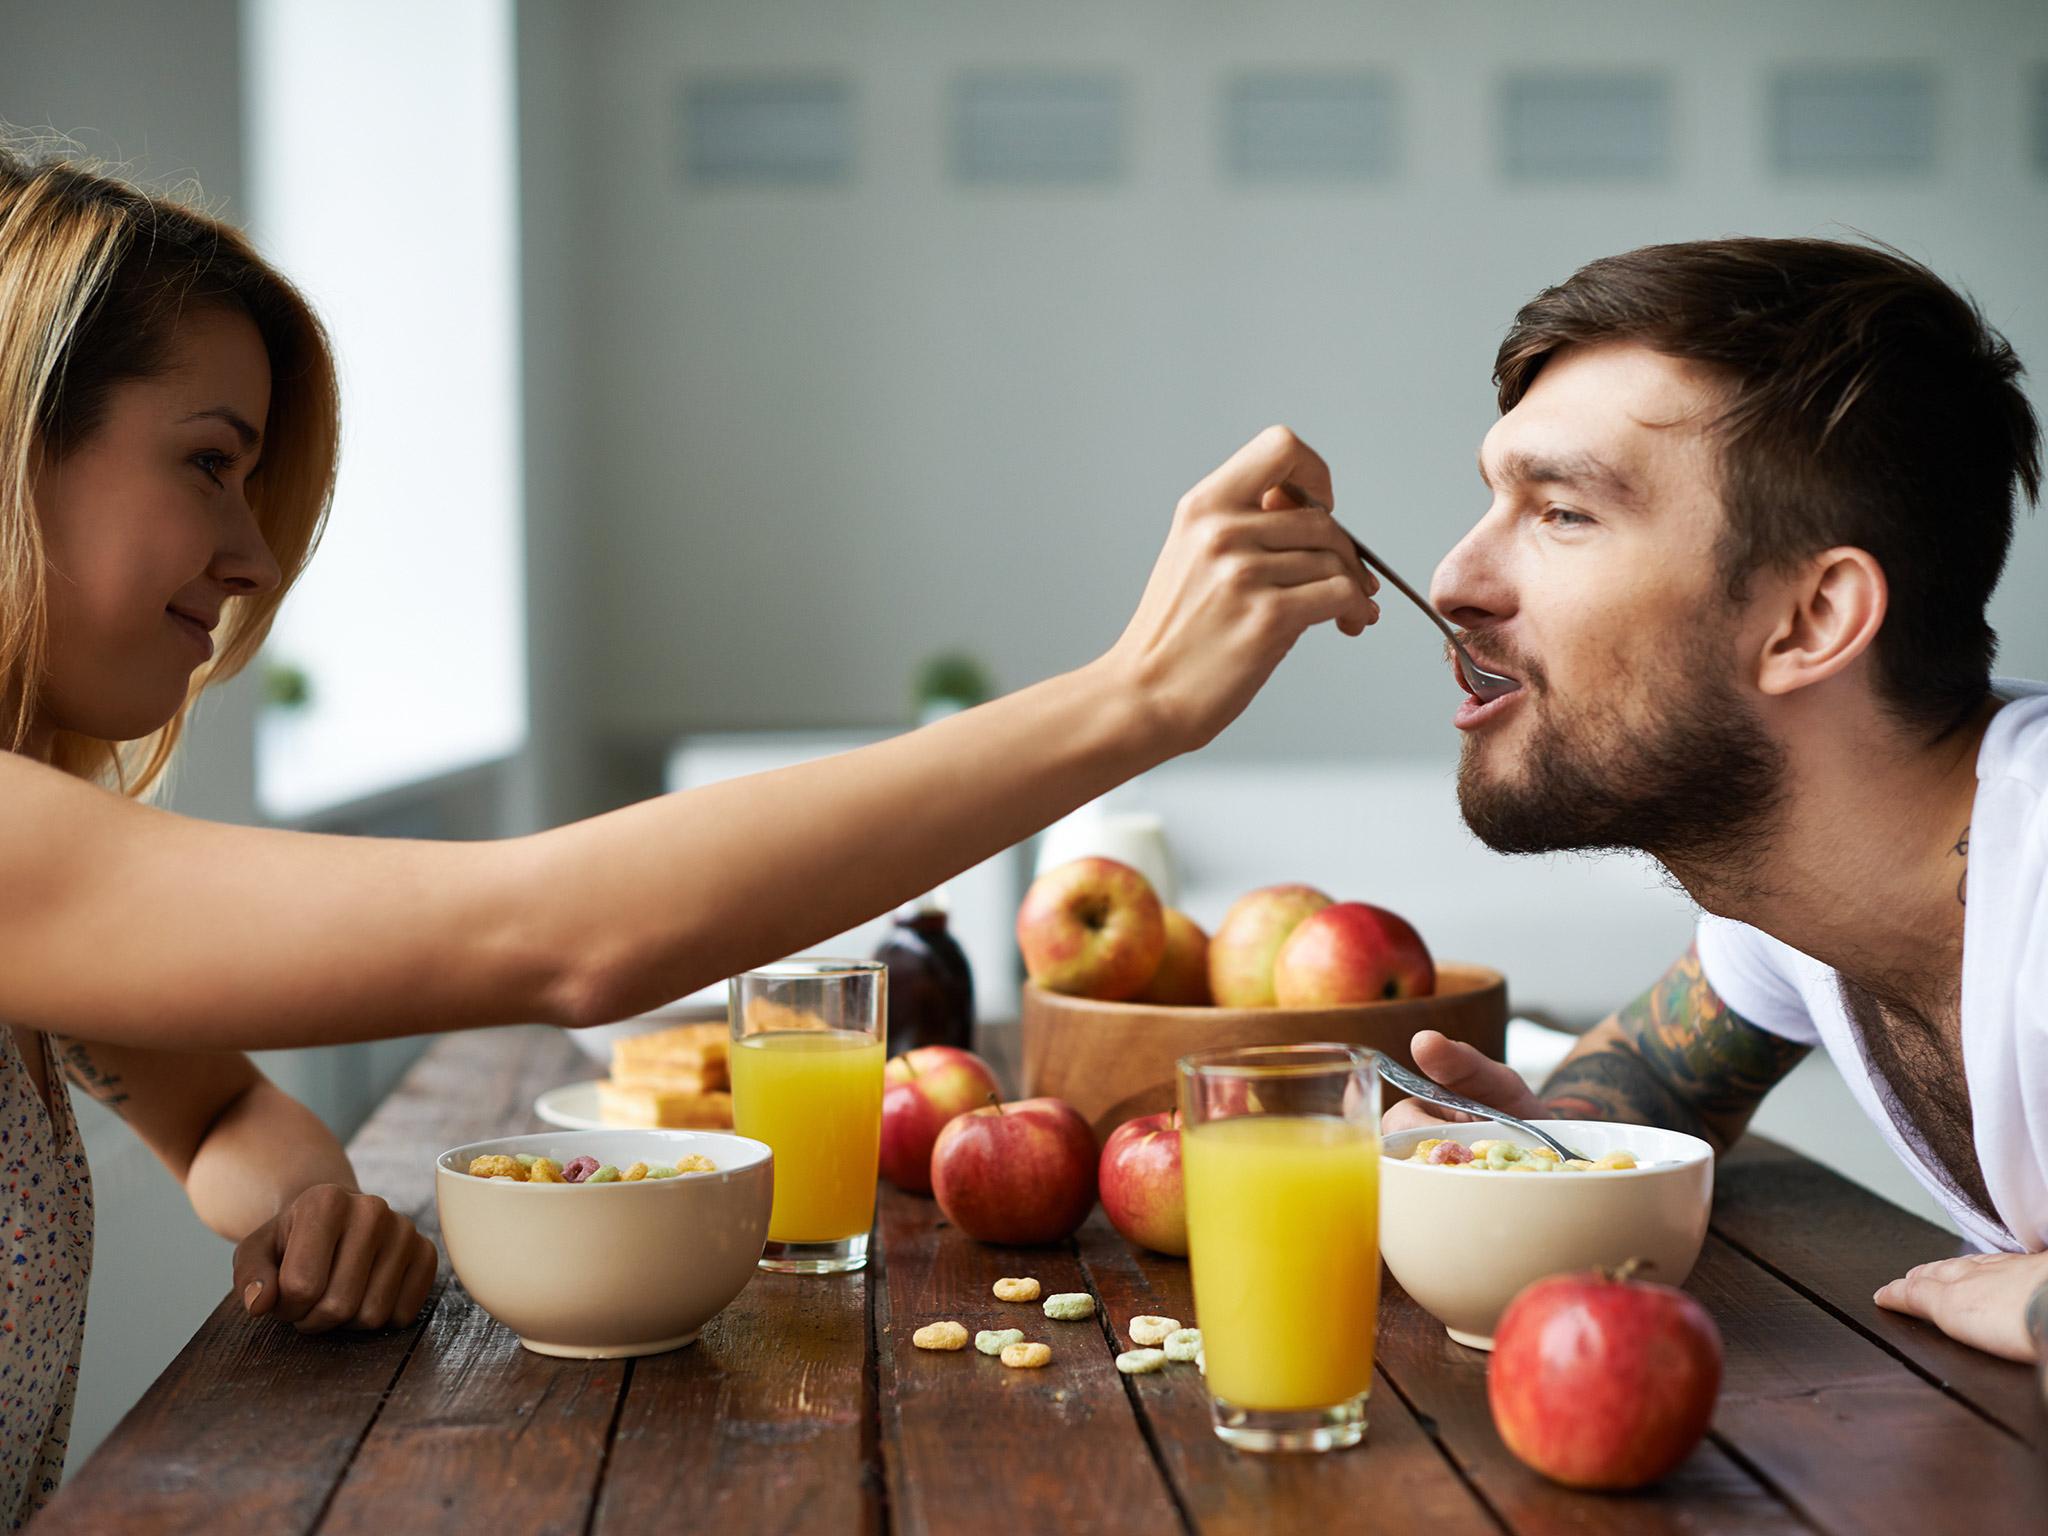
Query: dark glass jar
x=931, y=990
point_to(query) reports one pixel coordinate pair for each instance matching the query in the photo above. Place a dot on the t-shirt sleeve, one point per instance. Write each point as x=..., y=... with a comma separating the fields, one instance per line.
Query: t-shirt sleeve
x=1747, y=972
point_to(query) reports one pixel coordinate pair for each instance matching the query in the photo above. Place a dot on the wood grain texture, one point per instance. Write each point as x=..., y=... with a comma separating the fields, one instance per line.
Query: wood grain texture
x=1844, y=1430
x=1445, y=1385
x=1832, y=1241
x=256, y=1423
x=765, y=1424
x=805, y=1407
x=1115, y=1061
x=1397, y=1482
x=973, y=1447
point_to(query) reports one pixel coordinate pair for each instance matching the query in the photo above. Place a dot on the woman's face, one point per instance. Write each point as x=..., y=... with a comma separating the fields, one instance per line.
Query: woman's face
x=149, y=535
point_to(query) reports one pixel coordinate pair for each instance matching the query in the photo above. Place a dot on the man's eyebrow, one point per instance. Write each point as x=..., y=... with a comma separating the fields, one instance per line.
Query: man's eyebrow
x=249, y=435
x=1572, y=469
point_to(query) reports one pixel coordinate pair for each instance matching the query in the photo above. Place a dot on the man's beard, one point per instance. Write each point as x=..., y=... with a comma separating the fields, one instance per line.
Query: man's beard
x=1696, y=788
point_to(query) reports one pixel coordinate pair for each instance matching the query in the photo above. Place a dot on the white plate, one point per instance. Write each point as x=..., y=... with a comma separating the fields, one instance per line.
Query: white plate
x=573, y=1107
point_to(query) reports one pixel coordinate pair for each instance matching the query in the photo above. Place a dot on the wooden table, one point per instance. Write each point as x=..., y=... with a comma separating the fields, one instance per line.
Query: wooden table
x=805, y=1408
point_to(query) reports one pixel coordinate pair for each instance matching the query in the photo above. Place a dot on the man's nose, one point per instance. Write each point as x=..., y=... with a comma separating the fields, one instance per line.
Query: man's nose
x=1468, y=587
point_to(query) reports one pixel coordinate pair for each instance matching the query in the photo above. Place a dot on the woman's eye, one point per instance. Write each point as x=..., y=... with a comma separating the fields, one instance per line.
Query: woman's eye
x=214, y=465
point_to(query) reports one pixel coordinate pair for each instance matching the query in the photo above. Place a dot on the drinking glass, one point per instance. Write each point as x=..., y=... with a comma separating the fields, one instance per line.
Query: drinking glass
x=1280, y=1152
x=807, y=1049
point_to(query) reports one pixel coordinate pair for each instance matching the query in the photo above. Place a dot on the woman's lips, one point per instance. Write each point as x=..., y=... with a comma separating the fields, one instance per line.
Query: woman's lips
x=193, y=631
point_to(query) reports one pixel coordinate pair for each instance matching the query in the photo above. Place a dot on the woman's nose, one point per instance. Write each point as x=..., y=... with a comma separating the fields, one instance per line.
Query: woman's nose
x=244, y=565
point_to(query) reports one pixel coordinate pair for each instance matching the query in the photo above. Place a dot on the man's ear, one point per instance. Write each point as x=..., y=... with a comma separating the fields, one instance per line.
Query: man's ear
x=1832, y=611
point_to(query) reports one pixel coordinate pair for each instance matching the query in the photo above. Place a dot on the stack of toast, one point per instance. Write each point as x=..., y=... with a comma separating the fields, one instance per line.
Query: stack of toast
x=675, y=1078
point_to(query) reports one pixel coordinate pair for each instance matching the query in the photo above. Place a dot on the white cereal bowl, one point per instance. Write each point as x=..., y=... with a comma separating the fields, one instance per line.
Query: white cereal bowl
x=595, y=1271
x=1462, y=1243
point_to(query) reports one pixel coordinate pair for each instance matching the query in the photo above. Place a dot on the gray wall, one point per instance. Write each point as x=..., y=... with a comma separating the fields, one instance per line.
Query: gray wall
x=830, y=429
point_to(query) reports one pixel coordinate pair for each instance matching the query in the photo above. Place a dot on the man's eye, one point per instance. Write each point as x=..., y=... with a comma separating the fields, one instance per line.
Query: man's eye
x=1564, y=517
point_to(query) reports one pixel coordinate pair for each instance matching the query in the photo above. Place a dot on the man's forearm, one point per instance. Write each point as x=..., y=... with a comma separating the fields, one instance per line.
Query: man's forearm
x=264, y=1151
x=1679, y=1057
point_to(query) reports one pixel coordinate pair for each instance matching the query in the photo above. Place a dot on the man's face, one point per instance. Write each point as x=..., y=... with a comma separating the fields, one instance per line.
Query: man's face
x=1593, y=579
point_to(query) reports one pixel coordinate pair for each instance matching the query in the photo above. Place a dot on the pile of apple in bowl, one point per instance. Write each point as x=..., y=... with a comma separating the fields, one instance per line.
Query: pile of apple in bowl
x=1121, y=986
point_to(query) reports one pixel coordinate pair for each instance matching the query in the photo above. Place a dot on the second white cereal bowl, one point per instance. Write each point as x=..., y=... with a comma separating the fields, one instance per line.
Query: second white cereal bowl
x=596, y=1271
x=1463, y=1242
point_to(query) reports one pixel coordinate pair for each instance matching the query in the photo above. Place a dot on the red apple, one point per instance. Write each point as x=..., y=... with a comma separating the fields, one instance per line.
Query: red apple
x=1016, y=1173
x=1182, y=980
x=1250, y=935
x=1601, y=1381
x=1092, y=928
x=1351, y=953
x=1141, y=1185
x=923, y=1089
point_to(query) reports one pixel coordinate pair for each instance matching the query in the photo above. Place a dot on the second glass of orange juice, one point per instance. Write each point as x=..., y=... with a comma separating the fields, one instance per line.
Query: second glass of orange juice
x=1280, y=1153
x=807, y=1049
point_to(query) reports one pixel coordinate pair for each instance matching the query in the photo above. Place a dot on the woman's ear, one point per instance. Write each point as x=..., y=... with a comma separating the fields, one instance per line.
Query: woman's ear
x=1833, y=609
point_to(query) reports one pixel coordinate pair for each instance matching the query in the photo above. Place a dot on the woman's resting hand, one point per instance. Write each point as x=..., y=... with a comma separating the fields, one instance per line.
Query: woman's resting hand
x=335, y=1258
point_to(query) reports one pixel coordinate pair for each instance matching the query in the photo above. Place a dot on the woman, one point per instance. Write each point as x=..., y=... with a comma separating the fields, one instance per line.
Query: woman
x=168, y=430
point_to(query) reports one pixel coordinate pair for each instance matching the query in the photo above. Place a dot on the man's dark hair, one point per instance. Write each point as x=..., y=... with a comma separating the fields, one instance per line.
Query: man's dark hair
x=1867, y=403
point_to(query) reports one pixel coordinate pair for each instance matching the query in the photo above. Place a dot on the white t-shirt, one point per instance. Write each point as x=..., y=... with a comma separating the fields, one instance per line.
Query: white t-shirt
x=2005, y=988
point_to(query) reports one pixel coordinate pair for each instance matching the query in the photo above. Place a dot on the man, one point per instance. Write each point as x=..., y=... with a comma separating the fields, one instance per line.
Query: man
x=1751, y=498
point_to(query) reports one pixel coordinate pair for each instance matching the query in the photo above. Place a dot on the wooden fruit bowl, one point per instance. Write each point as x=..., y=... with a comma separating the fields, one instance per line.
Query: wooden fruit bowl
x=1115, y=1061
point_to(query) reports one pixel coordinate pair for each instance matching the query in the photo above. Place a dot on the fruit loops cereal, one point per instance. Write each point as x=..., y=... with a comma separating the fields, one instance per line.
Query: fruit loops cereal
x=1183, y=1344
x=993, y=1341
x=1508, y=1157
x=1026, y=1357
x=529, y=1169
x=1140, y=1362
x=1017, y=1290
x=1070, y=1306
x=940, y=1336
x=1150, y=1332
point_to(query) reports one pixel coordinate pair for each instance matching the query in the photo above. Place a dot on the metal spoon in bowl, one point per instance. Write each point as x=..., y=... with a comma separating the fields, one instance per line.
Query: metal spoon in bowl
x=1486, y=686
x=1415, y=1085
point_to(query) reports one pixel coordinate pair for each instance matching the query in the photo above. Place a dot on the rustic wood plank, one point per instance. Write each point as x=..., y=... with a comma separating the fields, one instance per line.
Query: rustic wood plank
x=1445, y=1385
x=972, y=1446
x=254, y=1422
x=1839, y=1243
x=765, y=1424
x=1843, y=1429
x=516, y=1441
x=480, y=1435
x=1397, y=1482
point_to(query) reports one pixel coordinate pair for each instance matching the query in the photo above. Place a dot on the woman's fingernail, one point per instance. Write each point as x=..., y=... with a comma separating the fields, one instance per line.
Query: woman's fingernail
x=250, y=1292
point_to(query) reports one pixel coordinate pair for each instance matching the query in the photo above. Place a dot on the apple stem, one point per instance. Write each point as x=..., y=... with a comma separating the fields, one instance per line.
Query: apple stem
x=1628, y=1269
x=997, y=1102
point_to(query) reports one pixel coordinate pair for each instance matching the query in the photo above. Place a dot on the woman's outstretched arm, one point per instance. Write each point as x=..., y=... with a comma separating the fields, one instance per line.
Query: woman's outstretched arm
x=123, y=923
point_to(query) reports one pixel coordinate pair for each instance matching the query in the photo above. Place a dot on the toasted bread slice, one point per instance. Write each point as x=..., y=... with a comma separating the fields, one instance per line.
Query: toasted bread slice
x=682, y=1046
x=636, y=1105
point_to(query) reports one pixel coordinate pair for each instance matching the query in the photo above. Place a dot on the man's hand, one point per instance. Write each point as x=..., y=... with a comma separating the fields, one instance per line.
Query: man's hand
x=1979, y=1299
x=1244, y=571
x=335, y=1258
x=1462, y=1069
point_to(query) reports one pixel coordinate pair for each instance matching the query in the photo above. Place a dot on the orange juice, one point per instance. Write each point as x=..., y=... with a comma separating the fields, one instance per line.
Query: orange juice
x=815, y=1096
x=1283, y=1238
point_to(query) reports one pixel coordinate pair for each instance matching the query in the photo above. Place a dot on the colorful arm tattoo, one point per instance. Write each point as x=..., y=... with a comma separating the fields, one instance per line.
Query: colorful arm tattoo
x=1678, y=1057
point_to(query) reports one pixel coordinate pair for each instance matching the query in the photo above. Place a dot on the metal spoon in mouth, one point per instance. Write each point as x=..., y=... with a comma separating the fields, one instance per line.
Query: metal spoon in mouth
x=1483, y=685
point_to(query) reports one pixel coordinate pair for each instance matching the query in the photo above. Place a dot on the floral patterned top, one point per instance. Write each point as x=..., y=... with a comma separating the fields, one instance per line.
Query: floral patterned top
x=46, y=1254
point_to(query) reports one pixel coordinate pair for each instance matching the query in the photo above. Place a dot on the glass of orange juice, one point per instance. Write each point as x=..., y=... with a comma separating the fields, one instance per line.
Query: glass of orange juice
x=807, y=1048
x=1280, y=1154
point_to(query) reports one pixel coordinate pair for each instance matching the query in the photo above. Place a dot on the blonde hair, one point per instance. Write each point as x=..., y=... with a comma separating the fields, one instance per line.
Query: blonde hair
x=94, y=277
